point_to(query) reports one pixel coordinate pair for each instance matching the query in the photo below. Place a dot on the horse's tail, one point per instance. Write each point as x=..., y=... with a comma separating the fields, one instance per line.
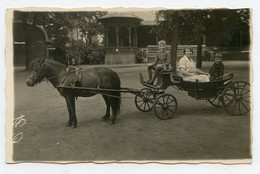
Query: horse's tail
x=116, y=101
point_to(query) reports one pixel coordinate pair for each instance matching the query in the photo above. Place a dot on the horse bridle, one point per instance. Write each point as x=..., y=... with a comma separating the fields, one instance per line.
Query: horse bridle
x=35, y=78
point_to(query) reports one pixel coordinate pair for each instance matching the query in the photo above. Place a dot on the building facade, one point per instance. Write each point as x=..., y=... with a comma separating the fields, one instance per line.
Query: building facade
x=38, y=44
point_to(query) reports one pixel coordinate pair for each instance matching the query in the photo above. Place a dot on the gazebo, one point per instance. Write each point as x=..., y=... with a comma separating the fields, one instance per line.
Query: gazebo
x=120, y=37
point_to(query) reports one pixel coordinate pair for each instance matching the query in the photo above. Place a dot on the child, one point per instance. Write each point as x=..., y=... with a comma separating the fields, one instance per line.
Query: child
x=162, y=61
x=217, y=70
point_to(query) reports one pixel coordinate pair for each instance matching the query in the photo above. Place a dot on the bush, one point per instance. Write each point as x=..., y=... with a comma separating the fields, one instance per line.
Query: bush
x=139, y=56
x=59, y=55
x=95, y=57
x=77, y=50
x=84, y=54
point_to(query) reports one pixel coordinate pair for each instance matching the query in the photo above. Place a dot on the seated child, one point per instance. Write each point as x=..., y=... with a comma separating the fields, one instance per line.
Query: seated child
x=162, y=61
x=217, y=70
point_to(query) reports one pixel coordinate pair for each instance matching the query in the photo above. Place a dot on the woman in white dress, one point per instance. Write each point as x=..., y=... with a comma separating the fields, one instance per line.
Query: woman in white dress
x=188, y=70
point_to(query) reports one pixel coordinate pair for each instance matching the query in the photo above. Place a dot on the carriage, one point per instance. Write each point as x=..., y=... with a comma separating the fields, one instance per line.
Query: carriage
x=234, y=97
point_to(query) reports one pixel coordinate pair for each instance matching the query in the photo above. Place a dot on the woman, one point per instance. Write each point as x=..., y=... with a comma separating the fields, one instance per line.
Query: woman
x=188, y=70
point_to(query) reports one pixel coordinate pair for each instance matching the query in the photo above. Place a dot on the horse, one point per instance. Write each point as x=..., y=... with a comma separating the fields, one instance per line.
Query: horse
x=94, y=78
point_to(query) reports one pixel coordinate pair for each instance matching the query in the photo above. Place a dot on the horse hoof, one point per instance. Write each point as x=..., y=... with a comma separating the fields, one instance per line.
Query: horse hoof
x=105, y=118
x=74, y=125
x=68, y=124
x=112, y=122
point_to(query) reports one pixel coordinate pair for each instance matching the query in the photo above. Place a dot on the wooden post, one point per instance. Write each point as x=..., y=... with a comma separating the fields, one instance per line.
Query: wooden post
x=241, y=40
x=117, y=37
x=199, y=50
x=106, y=37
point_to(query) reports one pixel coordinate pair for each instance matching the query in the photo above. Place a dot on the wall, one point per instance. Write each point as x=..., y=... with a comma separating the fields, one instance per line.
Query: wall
x=37, y=45
x=121, y=58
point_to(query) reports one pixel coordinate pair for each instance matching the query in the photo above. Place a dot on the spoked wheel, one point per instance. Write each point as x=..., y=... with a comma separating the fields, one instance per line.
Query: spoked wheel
x=165, y=106
x=236, y=98
x=144, y=101
x=216, y=101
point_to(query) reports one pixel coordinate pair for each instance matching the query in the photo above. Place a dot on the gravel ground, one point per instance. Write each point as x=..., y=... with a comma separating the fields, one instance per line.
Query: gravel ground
x=199, y=132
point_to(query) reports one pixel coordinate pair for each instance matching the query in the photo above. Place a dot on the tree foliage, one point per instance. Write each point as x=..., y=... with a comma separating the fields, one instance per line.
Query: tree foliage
x=188, y=26
x=68, y=31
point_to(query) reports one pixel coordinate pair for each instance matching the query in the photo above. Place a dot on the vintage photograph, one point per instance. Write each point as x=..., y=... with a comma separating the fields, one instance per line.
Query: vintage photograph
x=130, y=85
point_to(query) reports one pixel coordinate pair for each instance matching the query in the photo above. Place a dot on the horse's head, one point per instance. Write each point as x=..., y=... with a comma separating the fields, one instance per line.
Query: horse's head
x=36, y=72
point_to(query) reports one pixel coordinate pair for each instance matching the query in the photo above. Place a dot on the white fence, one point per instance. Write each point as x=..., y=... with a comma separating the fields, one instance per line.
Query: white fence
x=152, y=50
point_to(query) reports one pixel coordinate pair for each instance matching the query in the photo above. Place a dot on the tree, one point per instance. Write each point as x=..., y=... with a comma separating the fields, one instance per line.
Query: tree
x=168, y=26
x=230, y=22
x=190, y=25
x=63, y=29
x=87, y=25
x=176, y=23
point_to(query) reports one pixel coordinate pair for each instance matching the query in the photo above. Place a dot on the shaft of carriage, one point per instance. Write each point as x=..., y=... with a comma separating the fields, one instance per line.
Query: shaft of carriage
x=105, y=91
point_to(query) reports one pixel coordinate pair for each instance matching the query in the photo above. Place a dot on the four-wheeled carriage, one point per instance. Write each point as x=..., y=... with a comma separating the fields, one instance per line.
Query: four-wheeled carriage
x=233, y=96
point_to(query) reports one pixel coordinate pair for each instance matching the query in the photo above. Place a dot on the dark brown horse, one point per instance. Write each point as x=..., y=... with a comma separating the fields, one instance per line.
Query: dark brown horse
x=99, y=77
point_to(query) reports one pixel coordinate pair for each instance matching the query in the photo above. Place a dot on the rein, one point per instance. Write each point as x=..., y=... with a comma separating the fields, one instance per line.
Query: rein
x=66, y=74
x=99, y=90
x=61, y=75
x=46, y=79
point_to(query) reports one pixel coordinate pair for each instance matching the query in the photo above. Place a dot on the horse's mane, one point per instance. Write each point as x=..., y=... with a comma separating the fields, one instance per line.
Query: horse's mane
x=31, y=64
x=53, y=62
x=61, y=65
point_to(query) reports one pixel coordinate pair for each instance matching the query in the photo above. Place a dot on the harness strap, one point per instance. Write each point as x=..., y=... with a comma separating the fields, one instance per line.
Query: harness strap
x=63, y=79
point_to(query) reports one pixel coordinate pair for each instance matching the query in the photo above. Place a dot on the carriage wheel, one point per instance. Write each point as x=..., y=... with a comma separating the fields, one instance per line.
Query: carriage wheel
x=216, y=101
x=144, y=101
x=236, y=98
x=165, y=106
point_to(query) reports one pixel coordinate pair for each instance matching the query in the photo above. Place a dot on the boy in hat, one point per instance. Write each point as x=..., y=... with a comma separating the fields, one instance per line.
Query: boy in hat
x=162, y=61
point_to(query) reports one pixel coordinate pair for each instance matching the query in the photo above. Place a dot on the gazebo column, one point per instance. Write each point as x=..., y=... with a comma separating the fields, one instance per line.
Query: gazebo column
x=129, y=36
x=135, y=43
x=117, y=37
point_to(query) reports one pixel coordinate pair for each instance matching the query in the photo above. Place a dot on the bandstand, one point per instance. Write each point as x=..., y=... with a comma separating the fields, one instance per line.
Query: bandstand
x=120, y=37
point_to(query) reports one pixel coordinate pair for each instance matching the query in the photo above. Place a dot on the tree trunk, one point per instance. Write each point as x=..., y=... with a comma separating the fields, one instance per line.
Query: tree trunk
x=174, y=44
x=199, y=52
x=90, y=40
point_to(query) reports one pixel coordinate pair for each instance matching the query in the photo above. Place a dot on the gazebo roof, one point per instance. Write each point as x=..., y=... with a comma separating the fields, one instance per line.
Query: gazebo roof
x=119, y=15
x=148, y=23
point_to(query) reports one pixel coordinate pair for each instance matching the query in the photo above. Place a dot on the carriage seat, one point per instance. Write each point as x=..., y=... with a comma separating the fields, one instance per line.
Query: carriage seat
x=177, y=77
x=174, y=77
x=227, y=76
x=166, y=71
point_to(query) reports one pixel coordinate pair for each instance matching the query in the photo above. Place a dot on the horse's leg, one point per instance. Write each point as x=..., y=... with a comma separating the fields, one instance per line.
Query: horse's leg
x=70, y=111
x=70, y=101
x=114, y=110
x=107, y=115
x=114, y=113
